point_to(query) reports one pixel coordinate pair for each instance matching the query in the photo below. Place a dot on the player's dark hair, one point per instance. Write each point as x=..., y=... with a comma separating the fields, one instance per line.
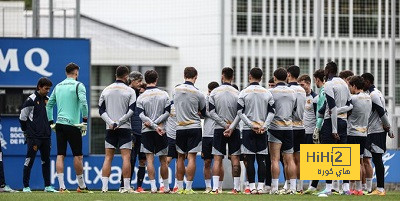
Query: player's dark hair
x=294, y=71
x=357, y=81
x=280, y=74
x=304, y=78
x=345, y=74
x=256, y=73
x=71, y=67
x=369, y=77
x=212, y=85
x=150, y=76
x=319, y=74
x=331, y=68
x=227, y=72
x=190, y=72
x=270, y=81
x=122, y=71
x=44, y=81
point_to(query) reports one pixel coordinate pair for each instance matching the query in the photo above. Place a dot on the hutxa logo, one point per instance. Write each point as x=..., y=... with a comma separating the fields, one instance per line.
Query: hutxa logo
x=11, y=59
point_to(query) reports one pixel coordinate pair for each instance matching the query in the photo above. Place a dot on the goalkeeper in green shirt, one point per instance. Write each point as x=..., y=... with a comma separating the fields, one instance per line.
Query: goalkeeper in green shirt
x=70, y=97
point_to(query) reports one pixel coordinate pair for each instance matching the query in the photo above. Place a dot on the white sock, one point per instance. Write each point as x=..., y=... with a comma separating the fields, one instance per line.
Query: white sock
x=346, y=187
x=358, y=186
x=285, y=186
x=352, y=185
x=299, y=186
x=328, y=187
x=215, y=182
x=161, y=183
x=369, y=184
x=180, y=185
x=166, y=185
x=208, y=183
x=252, y=186
x=220, y=184
x=176, y=183
x=274, y=184
x=293, y=184
x=60, y=177
x=260, y=186
x=104, y=180
x=311, y=188
x=81, y=182
x=380, y=189
x=189, y=185
x=153, y=185
x=335, y=185
x=364, y=187
x=247, y=184
x=127, y=183
x=236, y=183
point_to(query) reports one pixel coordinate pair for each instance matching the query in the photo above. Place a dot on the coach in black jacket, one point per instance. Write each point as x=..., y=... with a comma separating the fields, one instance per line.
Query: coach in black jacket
x=34, y=123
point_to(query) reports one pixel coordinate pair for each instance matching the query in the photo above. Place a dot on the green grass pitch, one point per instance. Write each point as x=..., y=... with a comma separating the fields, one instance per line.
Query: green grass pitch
x=115, y=196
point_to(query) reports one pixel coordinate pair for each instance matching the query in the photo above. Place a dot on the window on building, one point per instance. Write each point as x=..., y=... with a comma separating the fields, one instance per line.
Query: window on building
x=263, y=68
x=97, y=136
x=12, y=98
x=343, y=18
x=397, y=82
x=256, y=17
x=304, y=65
x=365, y=18
x=241, y=17
x=285, y=62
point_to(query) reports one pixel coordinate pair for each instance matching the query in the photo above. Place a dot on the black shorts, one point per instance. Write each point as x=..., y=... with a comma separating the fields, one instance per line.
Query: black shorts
x=299, y=137
x=172, y=148
x=120, y=138
x=153, y=143
x=136, y=144
x=206, y=148
x=326, y=132
x=188, y=140
x=220, y=141
x=358, y=140
x=376, y=143
x=71, y=135
x=254, y=143
x=309, y=139
x=284, y=137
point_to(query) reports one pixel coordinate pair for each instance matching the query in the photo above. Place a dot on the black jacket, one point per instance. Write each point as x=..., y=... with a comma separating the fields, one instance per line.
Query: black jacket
x=33, y=117
x=136, y=122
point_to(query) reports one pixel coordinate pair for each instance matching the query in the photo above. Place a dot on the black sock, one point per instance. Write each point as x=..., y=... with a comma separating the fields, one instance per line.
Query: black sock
x=268, y=176
x=261, y=167
x=2, y=180
x=140, y=176
x=27, y=171
x=46, y=172
x=314, y=183
x=251, y=173
x=379, y=170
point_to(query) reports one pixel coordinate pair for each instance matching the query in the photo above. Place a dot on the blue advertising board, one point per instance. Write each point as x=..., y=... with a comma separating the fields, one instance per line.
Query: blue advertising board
x=92, y=172
x=23, y=61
